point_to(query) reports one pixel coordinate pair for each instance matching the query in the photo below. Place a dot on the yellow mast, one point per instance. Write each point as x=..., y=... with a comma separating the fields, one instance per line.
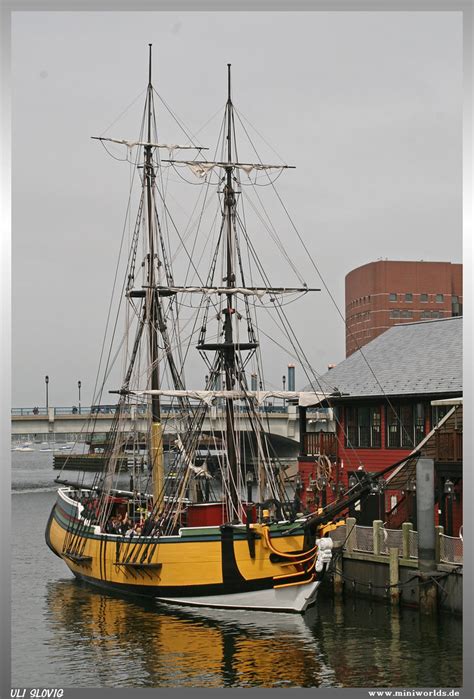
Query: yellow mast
x=158, y=469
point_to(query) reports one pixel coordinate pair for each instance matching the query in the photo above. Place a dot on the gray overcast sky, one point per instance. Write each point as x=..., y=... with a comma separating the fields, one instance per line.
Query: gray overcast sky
x=367, y=106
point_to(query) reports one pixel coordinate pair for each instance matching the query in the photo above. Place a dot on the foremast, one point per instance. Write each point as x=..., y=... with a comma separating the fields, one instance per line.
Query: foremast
x=151, y=312
x=229, y=349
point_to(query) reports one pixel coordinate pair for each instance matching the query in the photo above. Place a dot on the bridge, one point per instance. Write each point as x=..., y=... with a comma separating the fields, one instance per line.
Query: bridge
x=280, y=421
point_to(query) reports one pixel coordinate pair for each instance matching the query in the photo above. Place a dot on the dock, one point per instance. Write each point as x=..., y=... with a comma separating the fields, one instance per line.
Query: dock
x=383, y=564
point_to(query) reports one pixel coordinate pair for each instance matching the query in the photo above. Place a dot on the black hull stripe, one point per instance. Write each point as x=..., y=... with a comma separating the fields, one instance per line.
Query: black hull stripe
x=231, y=575
x=47, y=533
x=177, y=591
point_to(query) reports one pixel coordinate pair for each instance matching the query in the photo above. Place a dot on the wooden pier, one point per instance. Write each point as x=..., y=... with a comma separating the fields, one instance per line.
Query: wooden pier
x=381, y=564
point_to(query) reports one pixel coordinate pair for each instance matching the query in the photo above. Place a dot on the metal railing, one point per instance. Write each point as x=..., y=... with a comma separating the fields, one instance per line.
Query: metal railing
x=110, y=409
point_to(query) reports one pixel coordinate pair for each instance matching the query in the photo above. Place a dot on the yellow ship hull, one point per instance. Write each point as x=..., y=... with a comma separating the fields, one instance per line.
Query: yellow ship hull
x=228, y=566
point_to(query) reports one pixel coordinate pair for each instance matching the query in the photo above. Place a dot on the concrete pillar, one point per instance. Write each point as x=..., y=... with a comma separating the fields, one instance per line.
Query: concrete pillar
x=407, y=527
x=425, y=514
x=350, y=534
x=291, y=411
x=377, y=530
x=302, y=416
x=394, y=577
x=428, y=594
x=291, y=377
x=50, y=419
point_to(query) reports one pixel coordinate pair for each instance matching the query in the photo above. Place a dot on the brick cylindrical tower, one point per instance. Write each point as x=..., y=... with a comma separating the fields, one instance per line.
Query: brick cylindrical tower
x=384, y=293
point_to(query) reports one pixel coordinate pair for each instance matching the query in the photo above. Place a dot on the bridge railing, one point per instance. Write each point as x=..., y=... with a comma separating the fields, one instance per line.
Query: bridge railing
x=140, y=410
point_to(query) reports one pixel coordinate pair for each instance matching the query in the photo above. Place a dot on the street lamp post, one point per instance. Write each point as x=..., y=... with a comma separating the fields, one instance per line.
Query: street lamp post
x=378, y=491
x=249, y=486
x=79, y=389
x=411, y=495
x=46, y=380
x=449, y=493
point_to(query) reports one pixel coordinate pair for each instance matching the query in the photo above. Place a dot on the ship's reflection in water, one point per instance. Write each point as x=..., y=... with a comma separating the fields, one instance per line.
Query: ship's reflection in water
x=106, y=640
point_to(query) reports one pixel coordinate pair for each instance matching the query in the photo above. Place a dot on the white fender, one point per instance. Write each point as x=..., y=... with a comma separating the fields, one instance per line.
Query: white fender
x=325, y=546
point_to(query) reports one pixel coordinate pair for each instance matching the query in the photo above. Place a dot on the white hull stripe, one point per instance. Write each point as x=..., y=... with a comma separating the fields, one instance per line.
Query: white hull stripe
x=295, y=598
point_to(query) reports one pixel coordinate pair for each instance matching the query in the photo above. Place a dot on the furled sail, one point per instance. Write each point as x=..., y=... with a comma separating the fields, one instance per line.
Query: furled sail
x=149, y=144
x=303, y=398
x=201, y=167
x=258, y=291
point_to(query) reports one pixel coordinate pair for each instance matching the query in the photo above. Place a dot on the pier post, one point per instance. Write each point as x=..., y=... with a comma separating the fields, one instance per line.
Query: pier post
x=377, y=532
x=351, y=534
x=338, y=581
x=394, y=577
x=407, y=527
x=439, y=532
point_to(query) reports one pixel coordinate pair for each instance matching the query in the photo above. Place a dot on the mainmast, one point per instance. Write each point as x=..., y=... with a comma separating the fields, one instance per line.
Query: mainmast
x=156, y=439
x=229, y=349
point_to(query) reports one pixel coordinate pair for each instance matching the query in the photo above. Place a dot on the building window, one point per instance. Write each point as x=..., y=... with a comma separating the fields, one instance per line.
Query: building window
x=392, y=297
x=395, y=313
x=423, y=298
x=438, y=412
x=419, y=419
x=454, y=299
x=409, y=297
x=363, y=427
x=407, y=314
x=405, y=425
x=426, y=314
x=376, y=427
x=439, y=298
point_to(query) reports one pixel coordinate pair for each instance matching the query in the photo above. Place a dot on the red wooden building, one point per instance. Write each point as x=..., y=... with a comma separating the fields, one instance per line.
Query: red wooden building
x=385, y=399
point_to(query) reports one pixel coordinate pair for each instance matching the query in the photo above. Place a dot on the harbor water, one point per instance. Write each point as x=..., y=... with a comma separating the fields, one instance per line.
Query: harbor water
x=66, y=633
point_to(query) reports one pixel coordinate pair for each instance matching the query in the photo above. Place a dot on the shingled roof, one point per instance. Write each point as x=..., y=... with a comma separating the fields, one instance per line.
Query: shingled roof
x=407, y=359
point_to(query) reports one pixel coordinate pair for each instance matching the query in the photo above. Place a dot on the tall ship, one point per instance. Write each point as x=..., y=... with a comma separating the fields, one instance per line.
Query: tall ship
x=209, y=515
